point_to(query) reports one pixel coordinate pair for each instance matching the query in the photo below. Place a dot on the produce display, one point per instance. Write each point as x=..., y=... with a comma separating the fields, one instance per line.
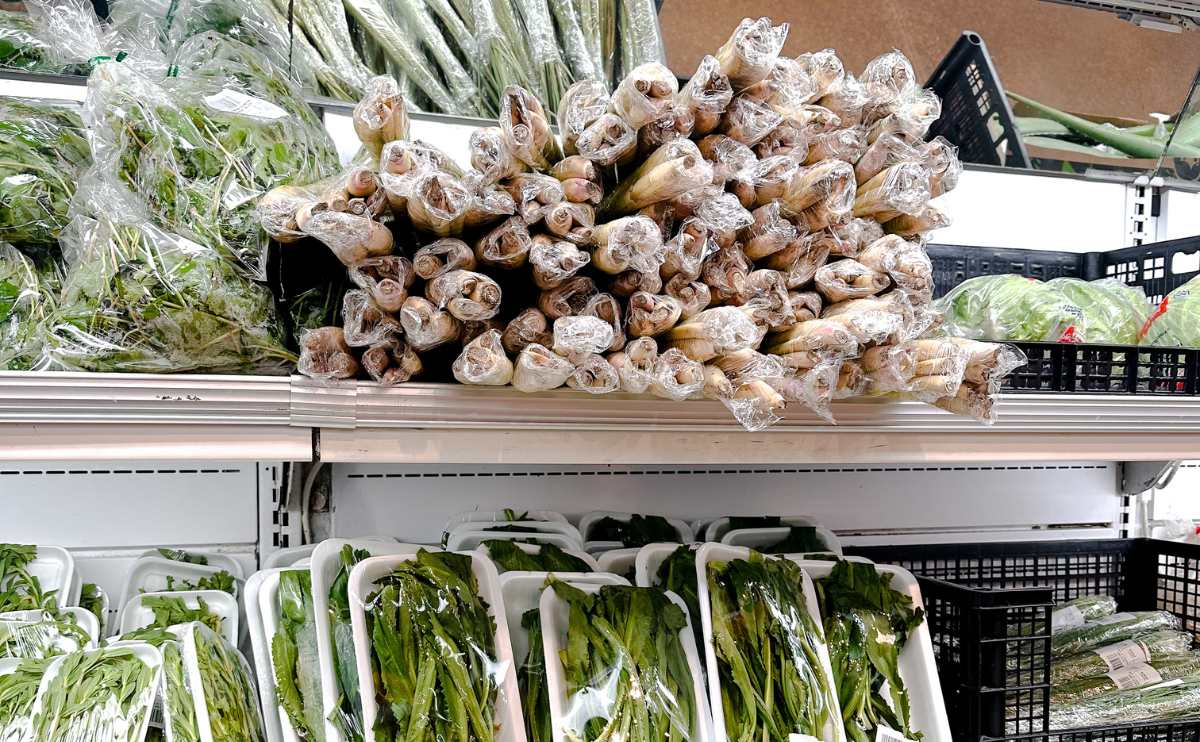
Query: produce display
x=102, y=694
x=40, y=634
x=624, y=666
x=867, y=624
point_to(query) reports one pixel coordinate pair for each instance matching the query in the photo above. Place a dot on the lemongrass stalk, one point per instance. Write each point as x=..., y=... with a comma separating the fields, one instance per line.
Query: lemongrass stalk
x=396, y=44
x=570, y=37
x=588, y=13
x=424, y=28
x=1130, y=144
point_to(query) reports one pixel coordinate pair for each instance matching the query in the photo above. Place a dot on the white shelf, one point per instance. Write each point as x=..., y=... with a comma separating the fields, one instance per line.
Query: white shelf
x=68, y=416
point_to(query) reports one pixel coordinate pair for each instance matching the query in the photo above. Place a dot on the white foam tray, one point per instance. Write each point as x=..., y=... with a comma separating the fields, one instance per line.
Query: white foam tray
x=326, y=561
x=148, y=654
x=618, y=561
x=260, y=644
x=589, y=520
x=149, y=574
x=917, y=666
x=289, y=557
x=499, y=516
x=521, y=591
x=134, y=615
x=465, y=540
x=717, y=527
x=508, y=702
x=54, y=567
x=554, y=614
x=757, y=538
x=82, y=617
x=710, y=552
x=536, y=548
x=537, y=528
x=219, y=561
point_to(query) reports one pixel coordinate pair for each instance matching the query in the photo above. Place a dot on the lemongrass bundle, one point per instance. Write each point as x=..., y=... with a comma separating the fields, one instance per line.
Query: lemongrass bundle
x=750, y=53
x=714, y=332
x=630, y=282
x=582, y=191
x=526, y=130
x=400, y=49
x=919, y=224
x=829, y=182
x=874, y=319
x=483, y=362
x=676, y=123
x=849, y=279
x=465, y=294
x=380, y=116
x=645, y=94
x=571, y=39
x=570, y=221
x=771, y=177
x=840, y=144
x=707, y=94
x=472, y=329
x=905, y=262
x=900, y=189
x=363, y=322
x=577, y=335
x=608, y=141
x=673, y=169
x=422, y=26
x=553, y=262
x=786, y=88
x=747, y=364
x=693, y=296
x=889, y=368
x=729, y=157
x=628, y=243
x=491, y=156
x=769, y=233
x=765, y=298
x=687, y=250
x=324, y=354
x=785, y=139
x=532, y=192
x=635, y=364
x=824, y=67
x=805, y=305
x=350, y=237
x=725, y=273
x=386, y=279
x=438, y=203
x=426, y=326
x=800, y=260
x=594, y=374
x=675, y=376
x=607, y=308
x=443, y=256
x=403, y=156
x=813, y=120
x=651, y=315
x=582, y=105
x=819, y=337
x=554, y=76
x=391, y=361
x=530, y=326
x=941, y=157
x=854, y=236
x=846, y=98
x=506, y=246
x=569, y=298
x=970, y=400
x=490, y=205
x=539, y=369
x=748, y=121
x=717, y=386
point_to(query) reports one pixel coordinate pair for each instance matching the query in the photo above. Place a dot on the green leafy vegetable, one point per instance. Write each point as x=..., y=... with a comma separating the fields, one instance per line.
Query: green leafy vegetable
x=625, y=669
x=535, y=701
x=294, y=656
x=229, y=696
x=772, y=682
x=1113, y=312
x=220, y=580
x=433, y=652
x=27, y=293
x=1161, y=702
x=639, y=530
x=1131, y=144
x=103, y=694
x=677, y=573
x=20, y=589
x=1081, y=689
x=170, y=611
x=180, y=707
x=180, y=555
x=39, y=634
x=91, y=599
x=799, y=540
x=348, y=715
x=549, y=558
x=1177, y=320
x=1011, y=307
x=21, y=47
x=18, y=689
x=1114, y=628
x=867, y=625
x=1157, y=645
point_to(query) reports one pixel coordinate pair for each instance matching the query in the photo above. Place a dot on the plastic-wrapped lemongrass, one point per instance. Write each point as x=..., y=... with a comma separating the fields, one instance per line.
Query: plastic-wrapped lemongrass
x=588, y=13
x=641, y=37
x=543, y=47
x=325, y=24
x=503, y=59
x=341, y=81
x=608, y=39
x=423, y=27
x=570, y=36
x=456, y=28
x=674, y=169
x=400, y=50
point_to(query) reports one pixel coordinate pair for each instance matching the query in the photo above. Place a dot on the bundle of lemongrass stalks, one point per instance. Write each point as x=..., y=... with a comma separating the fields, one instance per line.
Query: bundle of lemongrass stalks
x=756, y=238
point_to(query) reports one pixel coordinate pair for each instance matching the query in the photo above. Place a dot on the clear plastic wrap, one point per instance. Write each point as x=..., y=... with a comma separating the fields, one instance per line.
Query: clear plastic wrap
x=391, y=361
x=18, y=689
x=22, y=46
x=386, y=279
x=889, y=368
x=380, y=115
x=491, y=156
x=725, y=273
x=721, y=212
x=1012, y=307
x=594, y=374
x=1176, y=321
x=785, y=139
x=693, y=296
x=840, y=144
x=854, y=236
x=849, y=279
x=1113, y=628
x=607, y=308
x=442, y=256
x=750, y=53
x=919, y=224
x=404, y=156
x=748, y=121
x=426, y=326
x=29, y=293
x=467, y=295
x=815, y=338
x=771, y=177
x=608, y=141
x=569, y=298
x=941, y=157
x=765, y=298
x=483, y=361
x=730, y=158
x=42, y=153
x=570, y=221
x=350, y=237
x=645, y=95
x=539, y=369
x=582, y=105
x=101, y=694
x=506, y=246
x=805, y=305
x=635, y=672
x=824, y=67
x=1160, y=702
x=293, y=651
x=635, y=364
x=912, y=113
x=800, y=260
x=324, y=354
x=526, y=129
x=889, y=149
x=672, y=170
x=873, y=319
x=904, y=262
x=1125, y=678
x=687, y=250
x=651, y=315
x=641, y=36
x=900, y=189
x=38, y=633
x=769, y=233
x=1113, y=311
x=676, y=376
x=715, y=332
x=1153, y=647
x=528, y=327
x=788, y=87
x=976, y=401
x=707, y=94
x=438, y=203
x=364, y=322
x=827, y=186
x=846, y=98
x=783, y=634
x=581, y=335
x=628, y=243
x=553, y=262
x=630, y=282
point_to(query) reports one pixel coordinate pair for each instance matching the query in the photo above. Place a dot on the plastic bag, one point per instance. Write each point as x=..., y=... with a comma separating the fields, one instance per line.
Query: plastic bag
x=628, y=243
x=1114, y=312
x=651, y=315
x=1117, y=627
x=824, y=67
x=530, y=326
x=594, y=374
x=1012, y=308
x=849, y=279
x=707, y=94
x=715, y=332
x=22, y=47
x=750, y=53
x=538, y=369
x=635, y=364
x=645, y=95
x=324, y=354
x=425, y=325
x=1152, y=647
x=581, y=335
x=676, y=376
x=101, y=694
x=43, y=151
x=38, y=634
x=466, y=295
x=28, y=292
x=483, y=361
x=1176, y=320
x=1163, y=701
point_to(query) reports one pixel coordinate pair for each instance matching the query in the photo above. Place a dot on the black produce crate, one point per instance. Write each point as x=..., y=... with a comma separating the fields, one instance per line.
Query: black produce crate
x=975, y=113
x=1106, y=369
x=988, y=607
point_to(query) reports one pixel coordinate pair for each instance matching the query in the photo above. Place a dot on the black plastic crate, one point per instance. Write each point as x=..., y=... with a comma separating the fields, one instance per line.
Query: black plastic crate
x=975, y=112
x=1106, y=369
x=989, y=617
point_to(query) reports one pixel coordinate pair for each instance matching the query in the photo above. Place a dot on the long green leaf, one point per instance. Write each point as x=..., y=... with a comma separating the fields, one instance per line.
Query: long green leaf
x=1130, y=144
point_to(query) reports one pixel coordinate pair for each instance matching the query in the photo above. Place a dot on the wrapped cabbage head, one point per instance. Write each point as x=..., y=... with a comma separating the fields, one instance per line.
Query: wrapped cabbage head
x=1009, y=307
x=1113, y=312
x=1176, y=322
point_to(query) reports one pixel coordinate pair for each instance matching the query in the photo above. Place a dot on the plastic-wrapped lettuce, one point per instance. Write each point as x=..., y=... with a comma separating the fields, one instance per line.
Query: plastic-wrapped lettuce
x=1113, y=312
x=42, y=152
x=1009, y=307
x=1176, y=322
x=201, y=147
x=21, y=47
x=27, y=294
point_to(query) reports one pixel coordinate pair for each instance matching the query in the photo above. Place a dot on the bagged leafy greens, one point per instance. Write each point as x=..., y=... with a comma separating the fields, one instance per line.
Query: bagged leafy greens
x=1150, y=648
x=18, y=688
x=43, y=150
x=1176, y=322
x=1161, y=702
x=867, y=624
x=21, y=46
x=348, y=715
x=103, y=694
x=1009, y=307
x=433, y=651
x=1132, y=676
x=549, y=558
x=225, y=686
x=1114, y=628
x=624, y=665
x=40, y=633
x=766, y=643
x=27, y=293
x=294, y=656
x=1113, y=312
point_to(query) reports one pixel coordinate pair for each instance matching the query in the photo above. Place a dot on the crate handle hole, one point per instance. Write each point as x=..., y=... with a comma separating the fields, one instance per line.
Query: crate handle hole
x=1184, y=262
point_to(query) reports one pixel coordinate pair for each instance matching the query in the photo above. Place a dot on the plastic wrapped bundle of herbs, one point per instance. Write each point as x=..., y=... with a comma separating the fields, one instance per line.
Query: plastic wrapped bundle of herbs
x=18, y=689
x=105, y=694
x=548, y=558
x=1150, y=648
x=1114, y=628
x=229, y=695
x=42, y=152
x=294, y=656
x=624, y=666
x=867, y=625
x=433, y=652
x=677, y=573
x=347, y=716
x=200, y=148
x=21, y=47
x=531, y=679
x=27, y=293
x=1160, y=702
x=1132, y=676
x=137, y=298
x=767, y=650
